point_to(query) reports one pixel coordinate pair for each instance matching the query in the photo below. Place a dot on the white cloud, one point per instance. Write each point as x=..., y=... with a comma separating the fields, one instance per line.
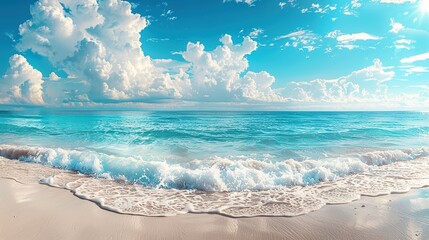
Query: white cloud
x=418, y=69
x=347, y=46
x=54, y=77
x=347, y=38
x=403, y=44
x=168, y=14
x=419, y=57
x=349, y=9
x=52, y=32
x=348, y=12
x=290, y=3
x=396, y=27
x=22, y=84
x=425, y=87
x=301, y=39
x=398, y=46
x=403, y=41
x=216, y=74
x=248, y=2
x=155, y=40
x=256, y=32
x=294, y=34
x=365, y=85
x=10, y=36
x=98, y=42
x=68, y=92
x=395, y=1
x=355, y=4
x=333, y=34
x=348, y=41
x=317, y=8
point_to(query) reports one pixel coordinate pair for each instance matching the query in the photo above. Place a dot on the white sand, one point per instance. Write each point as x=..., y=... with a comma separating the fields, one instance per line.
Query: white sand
x=42, y=212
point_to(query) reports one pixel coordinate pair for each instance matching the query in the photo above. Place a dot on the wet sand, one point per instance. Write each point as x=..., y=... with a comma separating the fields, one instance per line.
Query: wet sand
x=34, y=211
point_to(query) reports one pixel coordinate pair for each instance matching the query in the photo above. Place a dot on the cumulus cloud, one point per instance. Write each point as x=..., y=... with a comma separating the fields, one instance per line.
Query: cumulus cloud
x=54, y=77
x=216, y=74
x=54, y=33
x=365, y=85
x=98, y=43
x=22, y=84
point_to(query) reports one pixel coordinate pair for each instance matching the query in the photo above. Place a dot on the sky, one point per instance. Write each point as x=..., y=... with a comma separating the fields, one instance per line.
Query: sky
x=215, y=54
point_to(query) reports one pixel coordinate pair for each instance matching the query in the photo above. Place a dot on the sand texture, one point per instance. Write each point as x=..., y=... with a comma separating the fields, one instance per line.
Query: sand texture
x=33, y=211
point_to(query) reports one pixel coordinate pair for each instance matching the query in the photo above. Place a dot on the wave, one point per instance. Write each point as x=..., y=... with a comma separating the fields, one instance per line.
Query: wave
x=240, y=187
x=214, y=174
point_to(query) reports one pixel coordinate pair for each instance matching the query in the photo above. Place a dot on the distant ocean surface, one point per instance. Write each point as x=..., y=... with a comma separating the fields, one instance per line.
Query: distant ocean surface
x=231, y=163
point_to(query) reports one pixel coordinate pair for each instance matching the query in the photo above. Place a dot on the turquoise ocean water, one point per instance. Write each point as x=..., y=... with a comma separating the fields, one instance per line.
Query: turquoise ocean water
x=221, y=152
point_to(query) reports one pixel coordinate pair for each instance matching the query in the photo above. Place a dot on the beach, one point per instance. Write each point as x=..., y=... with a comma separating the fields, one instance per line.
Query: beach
x=133, y=175
x=35, y=211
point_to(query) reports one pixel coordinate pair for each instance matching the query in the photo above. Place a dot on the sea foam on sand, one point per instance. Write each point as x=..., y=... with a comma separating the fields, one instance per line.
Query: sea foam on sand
x=33, y=211
x=237, y=188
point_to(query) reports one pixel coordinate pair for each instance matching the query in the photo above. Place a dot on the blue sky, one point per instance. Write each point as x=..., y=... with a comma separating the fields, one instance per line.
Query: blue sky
x=274, y=54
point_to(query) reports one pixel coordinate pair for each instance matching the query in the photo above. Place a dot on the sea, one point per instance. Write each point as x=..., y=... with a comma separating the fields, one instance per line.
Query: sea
x=233, y=163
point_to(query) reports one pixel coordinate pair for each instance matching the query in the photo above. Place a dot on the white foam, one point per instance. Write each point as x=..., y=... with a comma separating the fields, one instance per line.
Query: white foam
x=243, y=187
x=47, y=181
x=214, y=174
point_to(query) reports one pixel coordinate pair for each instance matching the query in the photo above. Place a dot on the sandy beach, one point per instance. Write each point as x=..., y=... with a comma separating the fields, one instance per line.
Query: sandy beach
x=34, y=211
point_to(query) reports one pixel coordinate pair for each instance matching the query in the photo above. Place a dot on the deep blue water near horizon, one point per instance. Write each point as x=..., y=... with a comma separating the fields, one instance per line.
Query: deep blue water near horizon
x=187, y=135
x=181, y=137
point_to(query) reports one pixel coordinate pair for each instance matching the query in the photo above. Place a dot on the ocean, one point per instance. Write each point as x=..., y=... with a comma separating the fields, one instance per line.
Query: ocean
x=238, y=164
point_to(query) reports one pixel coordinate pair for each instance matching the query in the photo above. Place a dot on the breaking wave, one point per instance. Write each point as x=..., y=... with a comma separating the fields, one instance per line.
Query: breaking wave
x=235, y=186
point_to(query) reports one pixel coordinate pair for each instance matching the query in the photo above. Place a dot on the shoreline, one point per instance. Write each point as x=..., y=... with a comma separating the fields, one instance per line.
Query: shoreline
x=71, y=169
x=36, y=211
